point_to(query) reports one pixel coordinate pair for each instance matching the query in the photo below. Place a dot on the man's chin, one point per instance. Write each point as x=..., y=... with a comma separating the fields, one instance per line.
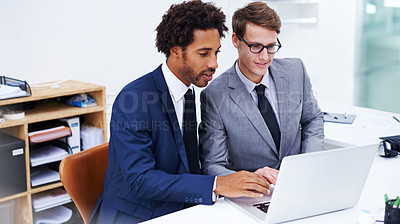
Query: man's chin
x=260, y=72
x=201, y=84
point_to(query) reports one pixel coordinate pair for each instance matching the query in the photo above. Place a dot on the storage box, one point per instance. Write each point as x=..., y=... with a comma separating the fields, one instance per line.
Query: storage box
x=12, y=165
x=7, y=212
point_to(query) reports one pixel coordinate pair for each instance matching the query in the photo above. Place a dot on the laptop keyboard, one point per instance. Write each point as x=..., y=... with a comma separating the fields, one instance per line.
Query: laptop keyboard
x=262, y=206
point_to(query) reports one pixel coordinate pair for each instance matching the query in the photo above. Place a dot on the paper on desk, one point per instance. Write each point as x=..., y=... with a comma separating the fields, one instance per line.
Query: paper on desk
x=55, y=215
x=43, y=175
x=47, y=154
x=366, y=129
x=339, y=118
x=50, y=199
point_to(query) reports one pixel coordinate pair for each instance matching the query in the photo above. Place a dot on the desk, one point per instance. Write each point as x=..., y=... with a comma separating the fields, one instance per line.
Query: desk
x=366, y=129
x=383, y=177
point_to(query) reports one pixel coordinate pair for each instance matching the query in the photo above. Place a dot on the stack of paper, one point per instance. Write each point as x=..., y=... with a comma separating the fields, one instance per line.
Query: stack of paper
x=50, y=199
x=47, y=154
x=91, y=136
x=55, y=215
x=7, y=92
x=43, y=175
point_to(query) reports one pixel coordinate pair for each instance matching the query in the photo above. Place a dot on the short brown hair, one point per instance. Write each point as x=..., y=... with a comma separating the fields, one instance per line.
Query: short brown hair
x=181, y=20
x=258, y=13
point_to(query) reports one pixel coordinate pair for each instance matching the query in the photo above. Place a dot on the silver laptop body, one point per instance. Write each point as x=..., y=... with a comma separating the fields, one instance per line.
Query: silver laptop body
x=314, y=183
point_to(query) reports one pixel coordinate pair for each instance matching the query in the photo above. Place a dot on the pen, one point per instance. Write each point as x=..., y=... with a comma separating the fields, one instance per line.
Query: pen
x=396, y=203
x=396, y=119
x=345, y=115
x=386, y=199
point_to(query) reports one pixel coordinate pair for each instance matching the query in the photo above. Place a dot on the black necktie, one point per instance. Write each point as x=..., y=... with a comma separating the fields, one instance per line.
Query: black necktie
x=189, y=133
x=268, y=114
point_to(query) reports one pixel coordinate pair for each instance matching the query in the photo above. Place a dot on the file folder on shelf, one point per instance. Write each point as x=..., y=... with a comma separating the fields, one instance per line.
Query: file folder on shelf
x=47, y=131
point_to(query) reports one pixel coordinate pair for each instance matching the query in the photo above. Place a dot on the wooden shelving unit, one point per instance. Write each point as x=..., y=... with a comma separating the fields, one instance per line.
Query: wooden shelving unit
x=96, y=116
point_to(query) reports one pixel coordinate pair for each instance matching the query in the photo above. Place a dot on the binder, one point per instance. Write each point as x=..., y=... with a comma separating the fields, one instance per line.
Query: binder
x=47, y=131
x=73, y=141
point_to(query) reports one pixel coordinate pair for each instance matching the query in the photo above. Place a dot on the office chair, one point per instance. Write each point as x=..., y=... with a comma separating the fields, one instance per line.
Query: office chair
x=82, y=175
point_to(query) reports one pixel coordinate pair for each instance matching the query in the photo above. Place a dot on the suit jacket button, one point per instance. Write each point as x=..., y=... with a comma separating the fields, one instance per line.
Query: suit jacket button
x=186, y=199
x=196, y=200
x=200, y=200
x=191, y=199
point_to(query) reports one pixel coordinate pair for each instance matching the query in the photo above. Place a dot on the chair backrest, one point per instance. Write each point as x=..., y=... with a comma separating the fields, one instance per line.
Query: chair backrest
x=82, y=175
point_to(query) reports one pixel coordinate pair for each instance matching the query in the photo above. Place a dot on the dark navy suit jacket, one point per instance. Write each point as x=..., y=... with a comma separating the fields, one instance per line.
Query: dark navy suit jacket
x=147, y=174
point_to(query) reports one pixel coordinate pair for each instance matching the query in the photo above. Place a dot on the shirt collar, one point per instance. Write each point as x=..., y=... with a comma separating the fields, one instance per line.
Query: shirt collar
x=248, y=83
x=176, y=87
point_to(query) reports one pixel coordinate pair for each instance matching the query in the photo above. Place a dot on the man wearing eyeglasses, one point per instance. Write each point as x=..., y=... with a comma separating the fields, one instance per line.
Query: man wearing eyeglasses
x=261, y=109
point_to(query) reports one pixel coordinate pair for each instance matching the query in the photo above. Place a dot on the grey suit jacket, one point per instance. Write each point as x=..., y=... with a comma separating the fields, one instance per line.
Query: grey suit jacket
x=233, y=134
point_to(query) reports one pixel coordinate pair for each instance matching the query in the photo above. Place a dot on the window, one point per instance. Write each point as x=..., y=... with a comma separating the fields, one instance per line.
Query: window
x=379, y=71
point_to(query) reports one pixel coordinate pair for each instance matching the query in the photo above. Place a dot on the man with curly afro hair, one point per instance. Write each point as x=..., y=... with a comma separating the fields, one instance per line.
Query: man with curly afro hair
x=153, y=160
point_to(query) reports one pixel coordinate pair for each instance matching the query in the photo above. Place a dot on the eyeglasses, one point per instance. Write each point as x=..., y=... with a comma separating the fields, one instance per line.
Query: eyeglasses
x=257, y=48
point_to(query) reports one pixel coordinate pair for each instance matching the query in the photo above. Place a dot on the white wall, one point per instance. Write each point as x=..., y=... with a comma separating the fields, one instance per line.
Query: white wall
x=111, y=42
x=328, y=49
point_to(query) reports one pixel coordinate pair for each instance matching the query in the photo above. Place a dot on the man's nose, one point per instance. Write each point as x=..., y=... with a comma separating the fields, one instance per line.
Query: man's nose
x=264, y=55
x=212, y=63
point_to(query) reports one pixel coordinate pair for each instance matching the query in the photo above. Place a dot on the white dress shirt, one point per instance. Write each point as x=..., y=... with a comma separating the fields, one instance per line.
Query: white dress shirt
x=177, y=89
x=270, y=89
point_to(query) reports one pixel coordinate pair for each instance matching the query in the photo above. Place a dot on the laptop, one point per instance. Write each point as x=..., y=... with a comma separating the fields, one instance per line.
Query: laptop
x=311, y=184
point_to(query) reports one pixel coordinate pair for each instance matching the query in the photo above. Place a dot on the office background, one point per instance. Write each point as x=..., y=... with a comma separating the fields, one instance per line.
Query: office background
x=352, y=53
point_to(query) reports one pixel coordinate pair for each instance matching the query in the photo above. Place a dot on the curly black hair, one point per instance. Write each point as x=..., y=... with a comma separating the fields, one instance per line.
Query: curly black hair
x=181, y=20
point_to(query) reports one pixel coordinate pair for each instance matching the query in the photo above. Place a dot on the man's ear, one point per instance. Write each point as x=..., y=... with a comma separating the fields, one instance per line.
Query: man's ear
x=235, y=40
x=175, y=51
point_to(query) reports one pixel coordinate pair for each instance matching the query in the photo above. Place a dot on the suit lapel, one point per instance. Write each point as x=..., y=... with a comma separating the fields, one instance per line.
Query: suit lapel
x=282, y=91
x=170, y=110
x=243, y=100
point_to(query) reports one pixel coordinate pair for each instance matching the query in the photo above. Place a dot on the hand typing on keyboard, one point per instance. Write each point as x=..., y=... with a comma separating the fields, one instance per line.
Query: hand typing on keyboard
x=265, y=205
x=268, y=173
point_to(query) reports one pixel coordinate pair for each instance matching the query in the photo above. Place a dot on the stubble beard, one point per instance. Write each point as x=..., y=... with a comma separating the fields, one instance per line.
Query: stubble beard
x=188, y=73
